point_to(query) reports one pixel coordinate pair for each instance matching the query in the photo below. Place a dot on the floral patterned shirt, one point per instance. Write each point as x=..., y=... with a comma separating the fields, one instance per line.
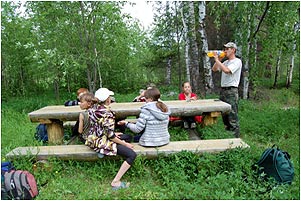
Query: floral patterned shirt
x=102, y=121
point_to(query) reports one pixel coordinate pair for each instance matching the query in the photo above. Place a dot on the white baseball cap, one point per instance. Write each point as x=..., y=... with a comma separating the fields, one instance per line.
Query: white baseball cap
x=231, y=45
x=103, y=93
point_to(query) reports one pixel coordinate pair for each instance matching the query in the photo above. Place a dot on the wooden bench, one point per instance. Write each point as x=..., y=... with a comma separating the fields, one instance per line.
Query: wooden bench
x=84, y=153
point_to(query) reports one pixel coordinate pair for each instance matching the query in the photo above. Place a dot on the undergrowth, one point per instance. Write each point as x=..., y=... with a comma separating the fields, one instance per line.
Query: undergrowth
x=227, y=175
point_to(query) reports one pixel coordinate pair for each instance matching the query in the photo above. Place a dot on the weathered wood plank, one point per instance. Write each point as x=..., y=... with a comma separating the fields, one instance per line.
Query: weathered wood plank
x=123, y=110
x=82, y=152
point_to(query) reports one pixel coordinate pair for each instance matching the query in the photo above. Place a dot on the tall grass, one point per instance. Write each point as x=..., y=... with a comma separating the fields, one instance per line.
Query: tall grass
x=273, y=119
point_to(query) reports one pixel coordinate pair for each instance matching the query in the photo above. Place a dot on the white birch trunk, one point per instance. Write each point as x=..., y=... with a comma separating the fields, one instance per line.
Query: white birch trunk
x=277, y=68
x=168, y=72
x=187, y=44
x=206, y=61
x=289, y=78
x=291, y=68
x=168, y=66
x=194, y=50
x=247, y=61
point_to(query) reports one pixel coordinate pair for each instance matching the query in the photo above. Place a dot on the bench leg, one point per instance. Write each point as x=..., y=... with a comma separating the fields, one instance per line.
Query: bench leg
x=55, y=132
x=210, y=118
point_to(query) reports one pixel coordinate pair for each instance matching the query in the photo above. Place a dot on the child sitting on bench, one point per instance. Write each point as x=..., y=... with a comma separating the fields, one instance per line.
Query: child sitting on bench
x=102, y=138
x=153, y=119
x=189, y=96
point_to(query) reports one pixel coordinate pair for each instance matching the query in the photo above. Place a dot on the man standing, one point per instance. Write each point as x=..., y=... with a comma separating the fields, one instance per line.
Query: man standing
x=231, y=70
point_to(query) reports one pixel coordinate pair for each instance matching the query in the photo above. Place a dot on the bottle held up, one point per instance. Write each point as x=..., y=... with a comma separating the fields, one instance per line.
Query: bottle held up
x=220, y=53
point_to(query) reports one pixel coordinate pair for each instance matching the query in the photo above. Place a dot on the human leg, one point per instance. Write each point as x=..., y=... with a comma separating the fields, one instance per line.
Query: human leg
x=75, y=129
x=130, y=157
x=223, y=97
x=230, y=119
x=122, y=170
x=233, y=115
x=126, y=137
x=188, y=121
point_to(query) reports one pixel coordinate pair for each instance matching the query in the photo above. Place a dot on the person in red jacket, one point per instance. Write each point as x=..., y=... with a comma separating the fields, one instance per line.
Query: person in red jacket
x=189, y=96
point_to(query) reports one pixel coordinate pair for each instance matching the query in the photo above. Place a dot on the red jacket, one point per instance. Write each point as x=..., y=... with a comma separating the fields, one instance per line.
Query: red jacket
x=183, y=97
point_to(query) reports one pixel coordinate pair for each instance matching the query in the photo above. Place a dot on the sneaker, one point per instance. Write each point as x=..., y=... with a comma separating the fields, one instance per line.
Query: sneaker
x=100, y=155
x=193, y=125
x=186, y=124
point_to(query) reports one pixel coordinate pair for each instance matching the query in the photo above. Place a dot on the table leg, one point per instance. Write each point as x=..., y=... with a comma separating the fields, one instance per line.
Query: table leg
x=210, y=118
x=55, y=132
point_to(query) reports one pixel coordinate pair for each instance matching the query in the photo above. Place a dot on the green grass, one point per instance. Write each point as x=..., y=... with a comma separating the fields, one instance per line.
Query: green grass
x=274, y=118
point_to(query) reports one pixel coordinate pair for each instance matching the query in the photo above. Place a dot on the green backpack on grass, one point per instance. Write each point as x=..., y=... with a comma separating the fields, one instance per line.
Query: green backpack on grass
x=276, y=163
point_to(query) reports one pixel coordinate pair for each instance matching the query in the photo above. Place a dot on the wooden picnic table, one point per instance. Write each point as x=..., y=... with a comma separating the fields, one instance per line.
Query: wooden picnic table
x=54, y=116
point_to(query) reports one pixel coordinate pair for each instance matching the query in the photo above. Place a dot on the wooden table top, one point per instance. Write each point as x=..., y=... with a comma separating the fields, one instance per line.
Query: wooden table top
x=123, y=110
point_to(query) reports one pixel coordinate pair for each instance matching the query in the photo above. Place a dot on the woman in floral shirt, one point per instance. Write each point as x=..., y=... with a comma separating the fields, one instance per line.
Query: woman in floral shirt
x=104, y=140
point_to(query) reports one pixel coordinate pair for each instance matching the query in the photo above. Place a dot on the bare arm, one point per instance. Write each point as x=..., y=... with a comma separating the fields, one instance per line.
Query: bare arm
x=219, y=65
x=81, y=123
x=215, y=67
x=118, y=141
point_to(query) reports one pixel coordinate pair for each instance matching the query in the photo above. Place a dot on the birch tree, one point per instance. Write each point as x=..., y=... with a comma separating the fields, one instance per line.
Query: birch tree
x=205, y=58
x=169, y=59
x=277, y=69
x=289, y=76
x=187, y=43
x=196, y=82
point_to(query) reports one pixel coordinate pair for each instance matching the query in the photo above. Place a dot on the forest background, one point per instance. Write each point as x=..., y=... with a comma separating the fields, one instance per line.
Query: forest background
x=61, y=46
x=51, y=49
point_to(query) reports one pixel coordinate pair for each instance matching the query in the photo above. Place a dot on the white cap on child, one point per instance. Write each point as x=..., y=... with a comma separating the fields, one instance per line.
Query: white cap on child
x=103, y=93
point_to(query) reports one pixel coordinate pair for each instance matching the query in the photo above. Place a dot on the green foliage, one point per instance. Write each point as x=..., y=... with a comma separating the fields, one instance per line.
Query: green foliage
x=67, y=45
x=178, y=133
x=272, y=119
x=61, y=46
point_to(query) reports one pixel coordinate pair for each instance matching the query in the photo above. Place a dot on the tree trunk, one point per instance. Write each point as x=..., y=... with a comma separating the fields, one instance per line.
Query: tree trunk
x=56, y=85
x=289, y=78
x=168, y=72
x=89, y=80
x=206, y=62
x=88, y=40
x=277, y=69
x=196, y=84
x=22, y=82
x=187, y=44
x=247, y=61
x=178, y=47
